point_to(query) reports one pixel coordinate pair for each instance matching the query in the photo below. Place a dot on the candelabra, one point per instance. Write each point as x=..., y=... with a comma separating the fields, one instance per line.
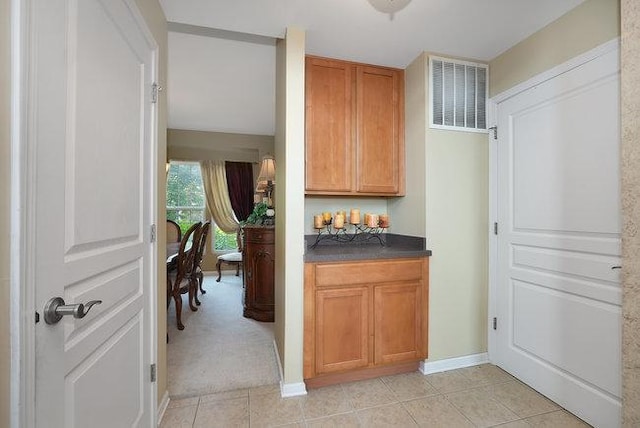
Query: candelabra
x=361, y=233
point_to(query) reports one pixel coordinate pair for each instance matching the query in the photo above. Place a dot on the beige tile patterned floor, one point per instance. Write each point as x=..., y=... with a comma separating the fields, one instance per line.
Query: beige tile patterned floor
x=481, y=396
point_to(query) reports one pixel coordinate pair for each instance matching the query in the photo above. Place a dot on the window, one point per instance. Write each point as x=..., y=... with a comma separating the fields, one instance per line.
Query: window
x=458, y=92
x=186, y=202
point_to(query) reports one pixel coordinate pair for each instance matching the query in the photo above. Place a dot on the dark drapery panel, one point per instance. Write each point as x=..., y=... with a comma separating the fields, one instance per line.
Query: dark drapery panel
x=240, y=184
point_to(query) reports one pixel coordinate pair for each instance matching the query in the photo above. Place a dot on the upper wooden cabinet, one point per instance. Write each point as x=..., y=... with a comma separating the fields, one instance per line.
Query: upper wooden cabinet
x=354, y=129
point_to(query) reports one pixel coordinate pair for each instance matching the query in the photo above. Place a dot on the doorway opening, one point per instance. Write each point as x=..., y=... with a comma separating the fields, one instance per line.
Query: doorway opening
x=219, y=349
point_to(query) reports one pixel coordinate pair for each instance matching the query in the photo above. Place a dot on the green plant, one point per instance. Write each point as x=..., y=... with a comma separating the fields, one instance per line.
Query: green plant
x=258, y=215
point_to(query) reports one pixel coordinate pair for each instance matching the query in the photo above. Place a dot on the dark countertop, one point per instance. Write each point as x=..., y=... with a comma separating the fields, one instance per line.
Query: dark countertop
x=396, y=246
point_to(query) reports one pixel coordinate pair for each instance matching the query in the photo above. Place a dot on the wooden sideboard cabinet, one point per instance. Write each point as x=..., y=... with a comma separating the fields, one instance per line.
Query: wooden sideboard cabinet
x=354, y=129
x=364, y=318
x=259, y=263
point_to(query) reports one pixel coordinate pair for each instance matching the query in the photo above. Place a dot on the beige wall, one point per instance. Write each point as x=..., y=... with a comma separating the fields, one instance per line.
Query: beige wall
x=289, y=150
x=184, y=144
x=157, y=23
x=447, y=201
x=581, y=29
x=630, y=110
x=407, y=214
x=5, y=182
x=281, y=92
x=457, y=218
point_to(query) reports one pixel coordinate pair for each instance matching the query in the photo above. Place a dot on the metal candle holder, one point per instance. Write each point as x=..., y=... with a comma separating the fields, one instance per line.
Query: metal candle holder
x=360, y=233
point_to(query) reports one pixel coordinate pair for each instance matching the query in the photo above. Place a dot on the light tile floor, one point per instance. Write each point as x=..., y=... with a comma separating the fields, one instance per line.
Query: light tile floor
x=481, y=396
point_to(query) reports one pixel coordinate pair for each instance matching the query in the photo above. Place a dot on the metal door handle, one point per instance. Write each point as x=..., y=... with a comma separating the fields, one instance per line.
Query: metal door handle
x=616, y=267
x=55, y=309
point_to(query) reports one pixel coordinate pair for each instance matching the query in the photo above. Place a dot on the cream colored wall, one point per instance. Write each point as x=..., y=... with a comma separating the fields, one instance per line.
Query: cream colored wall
x=5, y=182
x=407, y=214
x=630, y=111
x=447, y=201
x=457, y=210
x=289, y=150
x=281, y=92
x=187, y=145
x=581, y=29
x=157, y=23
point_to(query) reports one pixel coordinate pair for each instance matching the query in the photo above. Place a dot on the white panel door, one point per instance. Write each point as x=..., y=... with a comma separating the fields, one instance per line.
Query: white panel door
x=91, y=129
x=558, y=276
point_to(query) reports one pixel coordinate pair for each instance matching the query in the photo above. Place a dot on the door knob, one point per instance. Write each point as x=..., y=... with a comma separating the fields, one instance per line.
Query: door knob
x=55, y=309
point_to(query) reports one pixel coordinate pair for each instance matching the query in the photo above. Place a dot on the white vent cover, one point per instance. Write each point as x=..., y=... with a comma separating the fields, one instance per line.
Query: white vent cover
x=458, y=92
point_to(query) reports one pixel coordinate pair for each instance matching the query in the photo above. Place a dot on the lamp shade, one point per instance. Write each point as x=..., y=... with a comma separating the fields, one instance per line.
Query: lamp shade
x=267, y=173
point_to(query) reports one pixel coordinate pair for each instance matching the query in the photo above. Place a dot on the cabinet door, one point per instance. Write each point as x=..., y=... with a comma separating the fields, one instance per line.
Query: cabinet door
x=329, y=118
x=380, y=139
x=261, y=267
x=399, y=335
x=342, y=329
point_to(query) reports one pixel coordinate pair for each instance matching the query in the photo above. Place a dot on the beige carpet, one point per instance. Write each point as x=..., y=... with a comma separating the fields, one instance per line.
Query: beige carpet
x=219, y=349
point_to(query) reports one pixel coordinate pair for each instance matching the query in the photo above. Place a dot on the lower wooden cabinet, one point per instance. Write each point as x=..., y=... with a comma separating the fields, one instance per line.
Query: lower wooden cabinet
x=259, y=272
x=363, y=318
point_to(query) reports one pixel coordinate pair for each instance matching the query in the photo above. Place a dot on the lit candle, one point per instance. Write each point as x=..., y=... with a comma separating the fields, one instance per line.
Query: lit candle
x=343, y=213
x=366, y=218
x=326, y=216
x=338, y=221
x=384, y=220
x=355, y=216
x=318, y=222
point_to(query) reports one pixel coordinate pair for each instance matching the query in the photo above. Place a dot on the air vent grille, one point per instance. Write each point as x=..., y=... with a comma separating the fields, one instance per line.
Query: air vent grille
x=458, y=94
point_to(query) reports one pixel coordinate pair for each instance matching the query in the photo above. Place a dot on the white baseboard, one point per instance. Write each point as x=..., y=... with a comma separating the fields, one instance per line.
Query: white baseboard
x=288, y=389
x=428, y=367
x=163, y=406
x=292, y=389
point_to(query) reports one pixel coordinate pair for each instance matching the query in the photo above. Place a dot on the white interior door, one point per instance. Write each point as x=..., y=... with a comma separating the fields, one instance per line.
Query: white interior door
x=90, y=120
x=558, y=200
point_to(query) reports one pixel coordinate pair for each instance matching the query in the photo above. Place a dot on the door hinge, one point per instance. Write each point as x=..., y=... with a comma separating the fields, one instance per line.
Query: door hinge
x=155, y=89
x=495, y=228
x=495, y=132
x=153, y=233
x=495, y=323
x=153, y=373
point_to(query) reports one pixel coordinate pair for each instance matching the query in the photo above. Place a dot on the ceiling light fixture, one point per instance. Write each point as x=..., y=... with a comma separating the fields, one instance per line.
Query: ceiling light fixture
x=389, y=6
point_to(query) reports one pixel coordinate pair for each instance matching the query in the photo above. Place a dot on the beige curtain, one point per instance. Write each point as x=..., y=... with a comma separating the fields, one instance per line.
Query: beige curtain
x=218, y=203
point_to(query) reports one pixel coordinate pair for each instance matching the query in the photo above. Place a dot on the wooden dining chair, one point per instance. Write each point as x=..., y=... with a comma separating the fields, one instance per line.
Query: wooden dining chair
x=174, y=234
x=234, y=258
x=197, y=261
x=182, y=281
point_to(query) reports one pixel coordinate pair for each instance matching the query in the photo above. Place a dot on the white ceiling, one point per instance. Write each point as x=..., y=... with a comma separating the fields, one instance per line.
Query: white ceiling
x=223, y=84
